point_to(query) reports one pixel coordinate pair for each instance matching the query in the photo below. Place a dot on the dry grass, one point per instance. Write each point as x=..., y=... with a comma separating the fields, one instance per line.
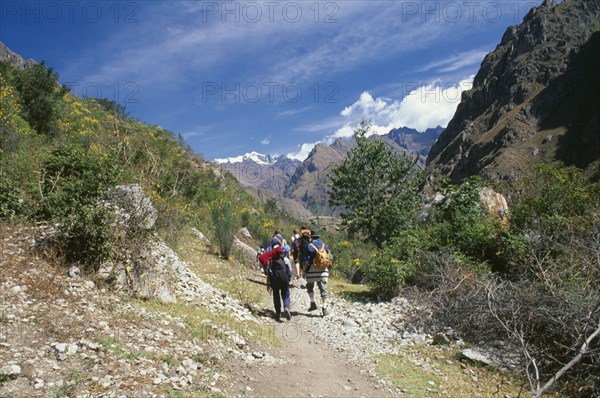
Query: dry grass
x=436, y=371
x=243, y=284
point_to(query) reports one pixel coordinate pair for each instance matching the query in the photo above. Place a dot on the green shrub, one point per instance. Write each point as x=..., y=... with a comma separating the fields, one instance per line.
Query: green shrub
x=11, y=203
x=225, y=225
x=40, y=98
x=73, y=184
x=549, y=195
x=348, y=256
x=388, y=271
x=86, y=236
x=463, y=226
x=73, y=177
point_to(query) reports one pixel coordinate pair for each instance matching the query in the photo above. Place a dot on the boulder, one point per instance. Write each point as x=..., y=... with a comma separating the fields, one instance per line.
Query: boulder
x=495, y=203
x=244, y=231
x=138, y=209
x=199, y=235
x=248, y=251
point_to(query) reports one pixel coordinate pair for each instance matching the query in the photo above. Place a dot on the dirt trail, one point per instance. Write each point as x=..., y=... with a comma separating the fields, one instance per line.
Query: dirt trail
x=312, y=368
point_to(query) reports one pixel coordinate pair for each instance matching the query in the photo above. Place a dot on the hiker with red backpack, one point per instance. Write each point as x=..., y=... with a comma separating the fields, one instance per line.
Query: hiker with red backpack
x=315, y=263
x=278, y=279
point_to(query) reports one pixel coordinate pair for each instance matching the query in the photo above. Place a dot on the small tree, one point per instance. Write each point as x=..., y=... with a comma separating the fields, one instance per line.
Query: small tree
x=377, y=188
x=225, y=224
x=40, y=93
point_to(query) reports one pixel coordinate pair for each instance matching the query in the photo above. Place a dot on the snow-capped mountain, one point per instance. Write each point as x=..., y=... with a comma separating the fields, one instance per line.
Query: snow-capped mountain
x=267, y=172
x=304, y=184
x=258, y=158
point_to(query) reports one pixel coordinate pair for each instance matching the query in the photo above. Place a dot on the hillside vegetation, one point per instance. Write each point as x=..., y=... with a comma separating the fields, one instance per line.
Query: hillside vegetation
x=61, y=155
x=522, y=278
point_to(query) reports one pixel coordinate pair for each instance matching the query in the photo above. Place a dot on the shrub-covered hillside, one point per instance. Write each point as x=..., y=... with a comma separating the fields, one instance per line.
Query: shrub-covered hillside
x=60, y=155
x=519, y=273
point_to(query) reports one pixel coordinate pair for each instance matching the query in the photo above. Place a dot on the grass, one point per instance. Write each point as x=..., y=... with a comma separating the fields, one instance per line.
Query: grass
x=351, y=292
x=193, y=392
x=237, y=281
x=431, y=371
x=206, y=325
x=74, y=378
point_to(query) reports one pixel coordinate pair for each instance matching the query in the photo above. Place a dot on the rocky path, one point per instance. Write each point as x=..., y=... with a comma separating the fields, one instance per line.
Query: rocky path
x=77, y=337
x=330, y=356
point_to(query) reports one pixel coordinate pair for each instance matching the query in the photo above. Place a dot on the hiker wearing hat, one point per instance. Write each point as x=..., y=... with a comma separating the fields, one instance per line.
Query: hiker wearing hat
x=314, y=273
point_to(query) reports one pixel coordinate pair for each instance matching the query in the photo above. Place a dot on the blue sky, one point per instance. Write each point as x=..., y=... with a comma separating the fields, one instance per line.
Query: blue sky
x=267, y=76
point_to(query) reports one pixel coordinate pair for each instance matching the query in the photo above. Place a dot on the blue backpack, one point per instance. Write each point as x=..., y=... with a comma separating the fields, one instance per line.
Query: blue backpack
x=278, y=273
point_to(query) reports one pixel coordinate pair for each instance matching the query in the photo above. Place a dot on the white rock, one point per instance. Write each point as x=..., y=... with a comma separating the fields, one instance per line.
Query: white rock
x=10, y=370
x=72, y=349
x=74, y=272
x=39, y=384
x=61, y=347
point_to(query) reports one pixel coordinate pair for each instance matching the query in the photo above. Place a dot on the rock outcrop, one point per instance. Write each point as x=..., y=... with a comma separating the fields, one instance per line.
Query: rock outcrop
x=6, y=55
x=534, y=98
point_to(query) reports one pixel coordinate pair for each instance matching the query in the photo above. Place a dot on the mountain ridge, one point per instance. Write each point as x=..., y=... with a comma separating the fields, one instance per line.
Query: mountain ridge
x=301, y=187
x=535, y=98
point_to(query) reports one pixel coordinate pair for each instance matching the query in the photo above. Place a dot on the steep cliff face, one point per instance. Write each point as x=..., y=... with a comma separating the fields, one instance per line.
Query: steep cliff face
x=534, y=98
x=6, y=55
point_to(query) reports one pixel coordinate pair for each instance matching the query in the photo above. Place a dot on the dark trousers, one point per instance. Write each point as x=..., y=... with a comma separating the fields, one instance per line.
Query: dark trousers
x=279, y=293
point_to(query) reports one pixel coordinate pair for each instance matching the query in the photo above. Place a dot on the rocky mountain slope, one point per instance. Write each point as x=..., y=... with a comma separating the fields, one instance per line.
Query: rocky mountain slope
x=535, y=97
x=265, y=177
x=12, y=58
x=301, y=187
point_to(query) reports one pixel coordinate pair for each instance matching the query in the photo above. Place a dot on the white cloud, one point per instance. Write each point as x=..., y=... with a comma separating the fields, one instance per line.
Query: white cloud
x=458, y=61
x=266, y=141
x=302, y=152
x=424, y=107
x=293, y=112
x=366, y=103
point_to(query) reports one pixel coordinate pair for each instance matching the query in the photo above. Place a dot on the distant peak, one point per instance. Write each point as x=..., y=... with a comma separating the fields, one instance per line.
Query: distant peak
x=258, y=158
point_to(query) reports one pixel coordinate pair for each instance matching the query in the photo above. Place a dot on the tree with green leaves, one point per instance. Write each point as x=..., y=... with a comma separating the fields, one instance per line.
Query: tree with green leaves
x=40, y=95
x=377, y=188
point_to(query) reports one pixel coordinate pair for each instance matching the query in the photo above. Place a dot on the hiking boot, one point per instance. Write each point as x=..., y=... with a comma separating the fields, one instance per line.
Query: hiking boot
x=325, y=312
x=313, y=306
x=288, y=314
x=278, y=317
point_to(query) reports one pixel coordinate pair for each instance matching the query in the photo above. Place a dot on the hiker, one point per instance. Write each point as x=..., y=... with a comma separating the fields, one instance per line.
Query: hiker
x=278, y=278
x=277, y=239
x=302, y=247
x=295, y=244
x=315, y=274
